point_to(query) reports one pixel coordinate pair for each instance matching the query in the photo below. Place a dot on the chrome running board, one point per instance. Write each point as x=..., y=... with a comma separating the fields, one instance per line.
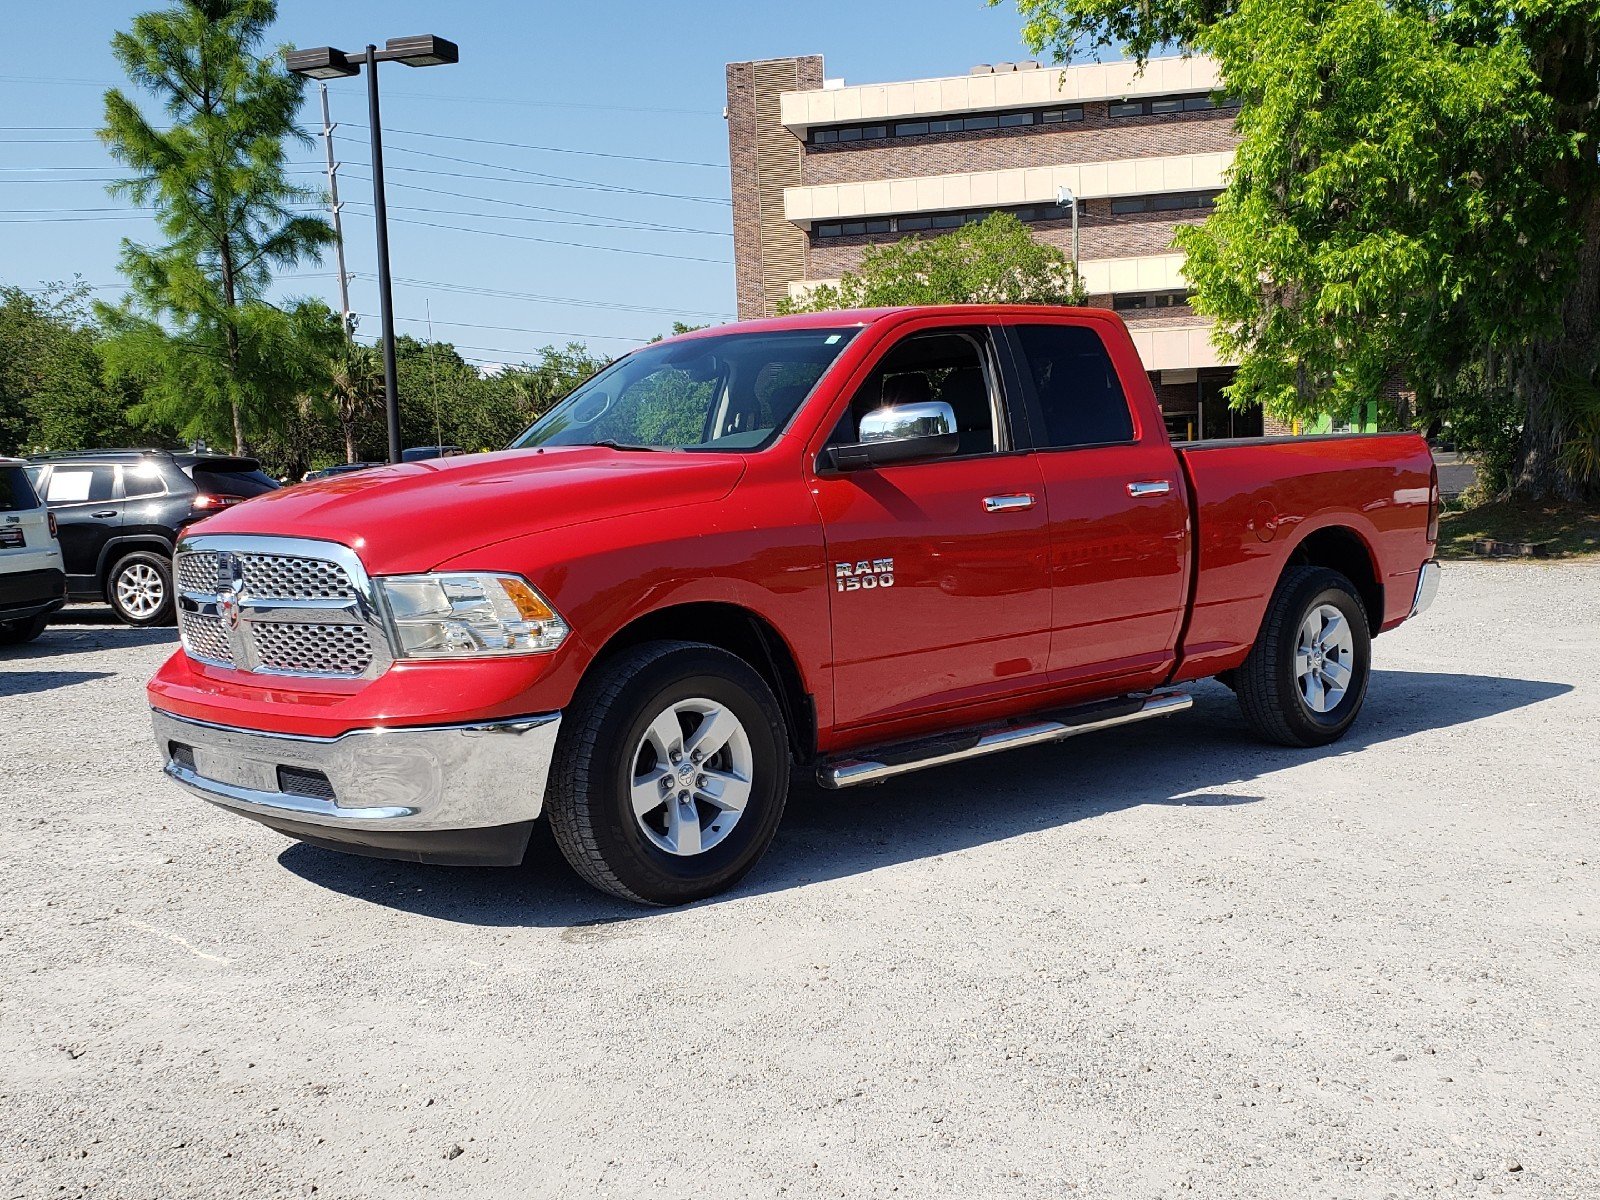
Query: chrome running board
x=888, y=761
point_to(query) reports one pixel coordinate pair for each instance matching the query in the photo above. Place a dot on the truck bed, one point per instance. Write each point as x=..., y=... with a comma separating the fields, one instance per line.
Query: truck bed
x=1365, y=494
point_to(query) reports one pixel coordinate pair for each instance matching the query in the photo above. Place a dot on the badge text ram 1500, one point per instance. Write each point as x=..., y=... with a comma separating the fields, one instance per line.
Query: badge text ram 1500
x=857, y=543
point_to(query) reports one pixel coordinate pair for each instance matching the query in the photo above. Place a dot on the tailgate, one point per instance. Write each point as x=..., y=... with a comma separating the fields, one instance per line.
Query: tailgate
x=24, y=521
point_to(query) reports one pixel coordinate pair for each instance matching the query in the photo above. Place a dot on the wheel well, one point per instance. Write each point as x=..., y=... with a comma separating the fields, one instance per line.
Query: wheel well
x=116, y=551
x=741, y=632
x=1342, y=550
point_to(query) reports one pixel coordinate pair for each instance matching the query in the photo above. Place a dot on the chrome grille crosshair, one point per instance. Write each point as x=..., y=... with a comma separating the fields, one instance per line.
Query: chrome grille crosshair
x=279, y=606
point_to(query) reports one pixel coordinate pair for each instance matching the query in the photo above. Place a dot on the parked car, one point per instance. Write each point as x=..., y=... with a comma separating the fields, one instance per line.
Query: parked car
x=32, y=578
x=120, y=512
x=419, y=453
x=337, y=469
x=863, y=543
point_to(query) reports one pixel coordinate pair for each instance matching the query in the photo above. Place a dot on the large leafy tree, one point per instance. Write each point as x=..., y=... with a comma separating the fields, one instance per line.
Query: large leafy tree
x=993, y=261
x=1417, y=193
x=228, y=213
x=51, y=394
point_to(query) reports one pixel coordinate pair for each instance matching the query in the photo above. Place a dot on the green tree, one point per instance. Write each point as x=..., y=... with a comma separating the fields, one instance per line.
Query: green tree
x=215, y=177
x=1416, y=192
x=51, y=394
x=992, y=261
x=355, y=388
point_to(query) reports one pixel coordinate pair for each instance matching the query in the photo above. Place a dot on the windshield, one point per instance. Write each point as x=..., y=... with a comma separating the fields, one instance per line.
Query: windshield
x=732, y=391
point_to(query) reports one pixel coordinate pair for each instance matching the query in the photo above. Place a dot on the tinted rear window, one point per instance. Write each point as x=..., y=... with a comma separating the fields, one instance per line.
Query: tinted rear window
x=1079, y=393
x=16, y=493
x=234, y=483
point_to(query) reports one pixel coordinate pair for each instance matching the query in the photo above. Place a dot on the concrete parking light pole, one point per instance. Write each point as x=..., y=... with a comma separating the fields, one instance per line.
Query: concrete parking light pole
x=324, y=62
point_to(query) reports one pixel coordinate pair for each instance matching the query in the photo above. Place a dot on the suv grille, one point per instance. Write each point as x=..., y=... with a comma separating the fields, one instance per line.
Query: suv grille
x=244, y=604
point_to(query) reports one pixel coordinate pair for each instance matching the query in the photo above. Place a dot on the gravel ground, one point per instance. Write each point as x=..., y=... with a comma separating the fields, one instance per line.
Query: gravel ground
x=1159, y=960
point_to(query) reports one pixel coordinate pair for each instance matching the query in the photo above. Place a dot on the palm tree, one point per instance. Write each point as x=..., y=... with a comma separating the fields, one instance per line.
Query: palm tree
x=356, y=388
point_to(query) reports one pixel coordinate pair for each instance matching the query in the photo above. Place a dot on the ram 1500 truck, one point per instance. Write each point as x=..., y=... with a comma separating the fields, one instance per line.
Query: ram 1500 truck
x=853, y=543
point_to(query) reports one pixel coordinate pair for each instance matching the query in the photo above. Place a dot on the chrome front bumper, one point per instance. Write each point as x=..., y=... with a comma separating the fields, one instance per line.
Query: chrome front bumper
x=1427, y=587
x=404, y=780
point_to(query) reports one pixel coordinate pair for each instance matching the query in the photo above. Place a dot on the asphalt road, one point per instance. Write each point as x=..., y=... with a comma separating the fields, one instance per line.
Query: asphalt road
x=1158, y=961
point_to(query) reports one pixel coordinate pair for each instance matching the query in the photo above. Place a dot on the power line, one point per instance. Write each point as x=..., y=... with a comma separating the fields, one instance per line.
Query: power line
x=456, y=212
x=397, y=92
x=614, y=337
x=537, y=298
x=565, y=212
x=526, y=237
x=454, y=137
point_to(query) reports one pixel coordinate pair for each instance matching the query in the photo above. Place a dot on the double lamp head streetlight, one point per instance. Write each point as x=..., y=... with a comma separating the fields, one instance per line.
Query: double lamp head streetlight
x=324, y=62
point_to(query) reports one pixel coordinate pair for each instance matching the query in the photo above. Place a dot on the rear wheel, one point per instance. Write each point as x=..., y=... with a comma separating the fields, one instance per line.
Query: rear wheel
x=1306, y=677
x=16, y=633
x=670, y=775
x=140, y=589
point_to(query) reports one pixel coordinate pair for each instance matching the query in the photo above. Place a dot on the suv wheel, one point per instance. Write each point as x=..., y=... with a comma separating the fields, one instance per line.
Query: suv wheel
x=15, y=633
x=140, y=589
x=670, y=775
x=1306, y=676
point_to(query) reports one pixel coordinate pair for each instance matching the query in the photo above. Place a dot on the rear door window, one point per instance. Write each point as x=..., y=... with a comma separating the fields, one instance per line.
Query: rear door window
x=71, y=484
x=1076, y=389
x=16, y=493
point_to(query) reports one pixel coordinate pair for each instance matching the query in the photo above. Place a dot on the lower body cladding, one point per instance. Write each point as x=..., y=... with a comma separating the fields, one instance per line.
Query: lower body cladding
x=457, y=794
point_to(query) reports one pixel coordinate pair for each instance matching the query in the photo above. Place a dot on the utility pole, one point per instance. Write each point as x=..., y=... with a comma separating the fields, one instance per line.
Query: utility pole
x=345, y=319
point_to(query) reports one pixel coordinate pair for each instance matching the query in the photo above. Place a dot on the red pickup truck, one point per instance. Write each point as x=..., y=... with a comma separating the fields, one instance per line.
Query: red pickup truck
x=853, y=543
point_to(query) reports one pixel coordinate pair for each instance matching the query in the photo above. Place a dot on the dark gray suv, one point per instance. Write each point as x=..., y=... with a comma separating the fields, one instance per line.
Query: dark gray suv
x=120, y=512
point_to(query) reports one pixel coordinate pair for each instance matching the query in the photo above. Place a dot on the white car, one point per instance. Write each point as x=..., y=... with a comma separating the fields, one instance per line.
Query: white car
x=33, y=580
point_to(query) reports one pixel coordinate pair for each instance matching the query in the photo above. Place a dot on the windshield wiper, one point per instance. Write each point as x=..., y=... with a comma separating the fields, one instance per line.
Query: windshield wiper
x=613, y=444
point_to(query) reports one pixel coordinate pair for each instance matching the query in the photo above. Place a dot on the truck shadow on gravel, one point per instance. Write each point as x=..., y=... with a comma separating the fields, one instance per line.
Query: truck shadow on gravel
x=1204, y=759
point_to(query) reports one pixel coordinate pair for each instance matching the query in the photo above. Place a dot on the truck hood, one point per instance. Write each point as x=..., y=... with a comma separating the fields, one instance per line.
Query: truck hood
x=414, y=516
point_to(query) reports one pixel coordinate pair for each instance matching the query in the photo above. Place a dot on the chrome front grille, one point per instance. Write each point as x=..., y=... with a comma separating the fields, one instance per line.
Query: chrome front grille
x=279, y=606
x=204, y=637
x=290, y=578
x=301, y=649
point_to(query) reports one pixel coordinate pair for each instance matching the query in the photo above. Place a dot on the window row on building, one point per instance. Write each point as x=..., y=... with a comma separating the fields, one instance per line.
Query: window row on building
x=825, y=135
x=1030, y=213
x=1133, y=301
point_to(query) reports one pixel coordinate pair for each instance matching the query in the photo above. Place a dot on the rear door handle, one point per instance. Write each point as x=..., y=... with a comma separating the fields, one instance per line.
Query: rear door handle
x=1007, y=503
x=104, y=512
x=1150, y=487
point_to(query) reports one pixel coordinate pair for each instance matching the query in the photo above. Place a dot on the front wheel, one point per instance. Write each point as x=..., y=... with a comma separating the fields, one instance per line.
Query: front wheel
x=1306, y=676
x=670, y=775
x=140, y=589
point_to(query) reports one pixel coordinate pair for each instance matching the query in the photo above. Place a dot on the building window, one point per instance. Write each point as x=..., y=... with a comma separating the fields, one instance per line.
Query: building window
x=1164, y=202
x=976, y=122
x=1141, y=300
x=1152, y=106
x=1027, y=213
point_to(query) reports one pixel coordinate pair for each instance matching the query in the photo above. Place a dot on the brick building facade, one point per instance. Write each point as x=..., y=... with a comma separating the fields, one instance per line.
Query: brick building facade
x=821, y=171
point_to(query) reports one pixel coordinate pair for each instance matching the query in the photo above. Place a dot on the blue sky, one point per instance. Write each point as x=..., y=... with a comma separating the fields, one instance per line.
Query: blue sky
x=602, y=86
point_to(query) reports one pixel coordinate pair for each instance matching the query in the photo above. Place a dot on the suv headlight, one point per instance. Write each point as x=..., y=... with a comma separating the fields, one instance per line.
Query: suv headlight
x=470, y=614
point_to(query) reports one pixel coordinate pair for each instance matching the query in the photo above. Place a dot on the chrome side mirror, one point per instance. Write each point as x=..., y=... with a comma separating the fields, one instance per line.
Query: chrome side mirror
x=930, y=418
x=899, y=433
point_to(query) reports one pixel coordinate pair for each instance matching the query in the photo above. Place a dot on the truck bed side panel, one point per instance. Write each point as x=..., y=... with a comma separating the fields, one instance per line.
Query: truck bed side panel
x=1256, y=503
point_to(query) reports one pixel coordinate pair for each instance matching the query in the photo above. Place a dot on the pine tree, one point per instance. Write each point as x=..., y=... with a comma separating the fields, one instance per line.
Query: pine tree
x=215, y=176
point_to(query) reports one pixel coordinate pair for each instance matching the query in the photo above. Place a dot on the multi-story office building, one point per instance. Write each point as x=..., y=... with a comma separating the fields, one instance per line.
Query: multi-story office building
x=821, y=171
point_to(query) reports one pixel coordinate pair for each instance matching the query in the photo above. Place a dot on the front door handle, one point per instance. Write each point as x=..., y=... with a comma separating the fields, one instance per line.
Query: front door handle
x=104, y=512
x=1150, y=487
x=1007, y=503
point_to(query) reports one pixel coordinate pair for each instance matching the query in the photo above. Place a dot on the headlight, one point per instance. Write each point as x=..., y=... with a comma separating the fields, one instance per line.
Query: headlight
x=470, y=614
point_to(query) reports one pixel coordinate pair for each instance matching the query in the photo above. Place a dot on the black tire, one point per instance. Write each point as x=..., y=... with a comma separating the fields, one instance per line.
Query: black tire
x=1266, y=683
x=139, y=561
x=588, y=799
x=17, y=633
